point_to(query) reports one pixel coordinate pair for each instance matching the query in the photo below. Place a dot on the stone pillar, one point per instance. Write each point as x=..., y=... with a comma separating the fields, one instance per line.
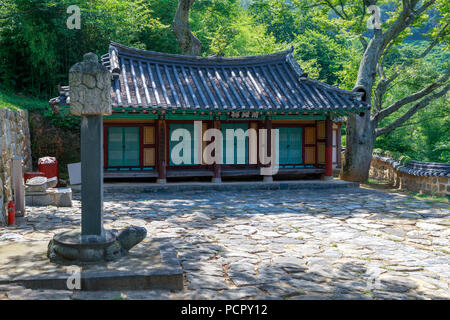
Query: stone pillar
x=18, y=186
x=161, y=151
x=217, y=167
x=92, y=175
x=328, y=149
x=90, y=86
x=90, y=89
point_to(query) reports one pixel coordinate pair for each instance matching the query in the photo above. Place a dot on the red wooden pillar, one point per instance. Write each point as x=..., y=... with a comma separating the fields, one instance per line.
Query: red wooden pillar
x=328, y=149
x=161, y=151
x=217, y=178
x=339, y=147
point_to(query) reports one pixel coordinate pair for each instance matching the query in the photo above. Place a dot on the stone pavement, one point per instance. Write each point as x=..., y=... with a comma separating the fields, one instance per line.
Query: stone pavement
x=281, y=244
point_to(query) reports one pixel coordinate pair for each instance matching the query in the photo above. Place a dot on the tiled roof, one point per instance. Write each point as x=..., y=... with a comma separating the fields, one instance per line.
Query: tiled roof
x=148, y=79
x=416, y=168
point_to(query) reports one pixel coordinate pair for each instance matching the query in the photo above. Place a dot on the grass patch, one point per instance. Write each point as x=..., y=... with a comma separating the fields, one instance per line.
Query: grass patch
x=368, y=293
x=17, y=102
x=365, y=258
x=428, y=199
x=387, y=187
x=379, y=182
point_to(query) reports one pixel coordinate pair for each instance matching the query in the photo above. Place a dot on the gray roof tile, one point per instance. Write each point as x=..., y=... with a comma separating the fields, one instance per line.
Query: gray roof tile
x=150, y=79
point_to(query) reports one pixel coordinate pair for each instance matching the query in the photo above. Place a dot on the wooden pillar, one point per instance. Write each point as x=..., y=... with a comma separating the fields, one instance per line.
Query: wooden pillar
x=268, y=126
x=328, y=149
x=162, y=161
x=217, y=178
x=339, y=147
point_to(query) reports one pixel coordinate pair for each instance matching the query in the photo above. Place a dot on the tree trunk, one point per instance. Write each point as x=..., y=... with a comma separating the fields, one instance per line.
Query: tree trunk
x=360, y=130
x=358, y=152
x=189, y=43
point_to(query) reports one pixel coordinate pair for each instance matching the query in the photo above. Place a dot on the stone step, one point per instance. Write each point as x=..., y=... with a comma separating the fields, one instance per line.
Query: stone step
x=128, y=187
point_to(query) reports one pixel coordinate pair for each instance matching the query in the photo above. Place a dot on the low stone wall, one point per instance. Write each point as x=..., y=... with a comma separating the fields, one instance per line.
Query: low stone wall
x=422, y=177
x=14, y=141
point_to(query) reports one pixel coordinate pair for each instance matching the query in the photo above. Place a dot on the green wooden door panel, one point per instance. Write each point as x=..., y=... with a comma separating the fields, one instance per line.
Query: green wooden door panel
x=289, y=146
x=123, y=146
x=239, y=155
x=131, y=141
x=115, y=145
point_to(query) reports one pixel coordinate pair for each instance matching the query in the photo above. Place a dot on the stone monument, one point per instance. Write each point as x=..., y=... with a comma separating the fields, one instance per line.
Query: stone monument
x=90, y=86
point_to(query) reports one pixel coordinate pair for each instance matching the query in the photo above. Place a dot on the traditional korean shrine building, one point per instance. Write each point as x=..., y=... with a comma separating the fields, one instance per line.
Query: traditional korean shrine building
x=153, y=94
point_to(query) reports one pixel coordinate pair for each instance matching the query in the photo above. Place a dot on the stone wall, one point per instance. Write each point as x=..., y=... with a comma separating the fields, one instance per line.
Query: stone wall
x=14, y=141
x=421, y=177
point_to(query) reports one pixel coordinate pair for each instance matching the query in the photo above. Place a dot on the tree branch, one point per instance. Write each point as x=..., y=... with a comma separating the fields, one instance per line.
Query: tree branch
x=341, y=15
x=342, y=9
x=405, y=18
x=382, y=86
x=421, y=104
x=413, y=97
x=434, y=43
x=363, y=42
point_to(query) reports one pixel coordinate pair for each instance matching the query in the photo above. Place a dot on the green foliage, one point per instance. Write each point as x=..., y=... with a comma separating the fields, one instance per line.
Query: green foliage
x=37, y=49
x=63, y=119
x=426, y=136
x=279, y=17
x=12, y=101
x=326, y=53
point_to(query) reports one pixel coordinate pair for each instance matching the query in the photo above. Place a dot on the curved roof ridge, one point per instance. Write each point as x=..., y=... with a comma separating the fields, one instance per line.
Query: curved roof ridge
x=331, y=87
x=281, y=55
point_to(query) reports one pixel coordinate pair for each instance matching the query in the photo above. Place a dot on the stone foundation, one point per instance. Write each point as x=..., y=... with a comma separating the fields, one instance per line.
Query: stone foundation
x=429, y=182
x=14, y=141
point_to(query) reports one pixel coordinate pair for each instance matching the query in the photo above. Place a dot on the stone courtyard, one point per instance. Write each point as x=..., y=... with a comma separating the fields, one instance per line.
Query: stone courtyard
x=280, y=244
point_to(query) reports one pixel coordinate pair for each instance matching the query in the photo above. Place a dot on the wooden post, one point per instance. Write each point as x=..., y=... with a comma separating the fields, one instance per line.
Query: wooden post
x=161, y=151
x=217, y=178
x=268, y=126
x=339, y=147
x=328, y=149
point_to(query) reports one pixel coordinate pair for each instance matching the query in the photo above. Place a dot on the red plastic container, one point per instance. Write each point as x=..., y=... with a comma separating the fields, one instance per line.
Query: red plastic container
x=29, y=175
x=11, y=213
x=49, y=166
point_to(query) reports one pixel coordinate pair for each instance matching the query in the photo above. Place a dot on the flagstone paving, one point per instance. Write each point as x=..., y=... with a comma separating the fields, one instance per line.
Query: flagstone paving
x=281, y=244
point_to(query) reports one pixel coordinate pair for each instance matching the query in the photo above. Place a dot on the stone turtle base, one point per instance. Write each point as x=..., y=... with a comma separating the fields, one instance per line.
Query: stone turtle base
x=152, y=264
x=71, y=247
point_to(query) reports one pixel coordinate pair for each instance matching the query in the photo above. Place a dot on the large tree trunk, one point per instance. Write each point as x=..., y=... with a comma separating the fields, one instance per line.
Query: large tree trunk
x=358, y=152
x=189, y=43
x=360, y=137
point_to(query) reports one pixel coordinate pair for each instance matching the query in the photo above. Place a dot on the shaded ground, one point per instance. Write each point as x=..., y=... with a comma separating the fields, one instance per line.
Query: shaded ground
x=284, y=244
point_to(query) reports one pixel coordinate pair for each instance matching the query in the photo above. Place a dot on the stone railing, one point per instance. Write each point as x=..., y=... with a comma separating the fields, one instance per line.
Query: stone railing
x=14, y=141
x=424, y=177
